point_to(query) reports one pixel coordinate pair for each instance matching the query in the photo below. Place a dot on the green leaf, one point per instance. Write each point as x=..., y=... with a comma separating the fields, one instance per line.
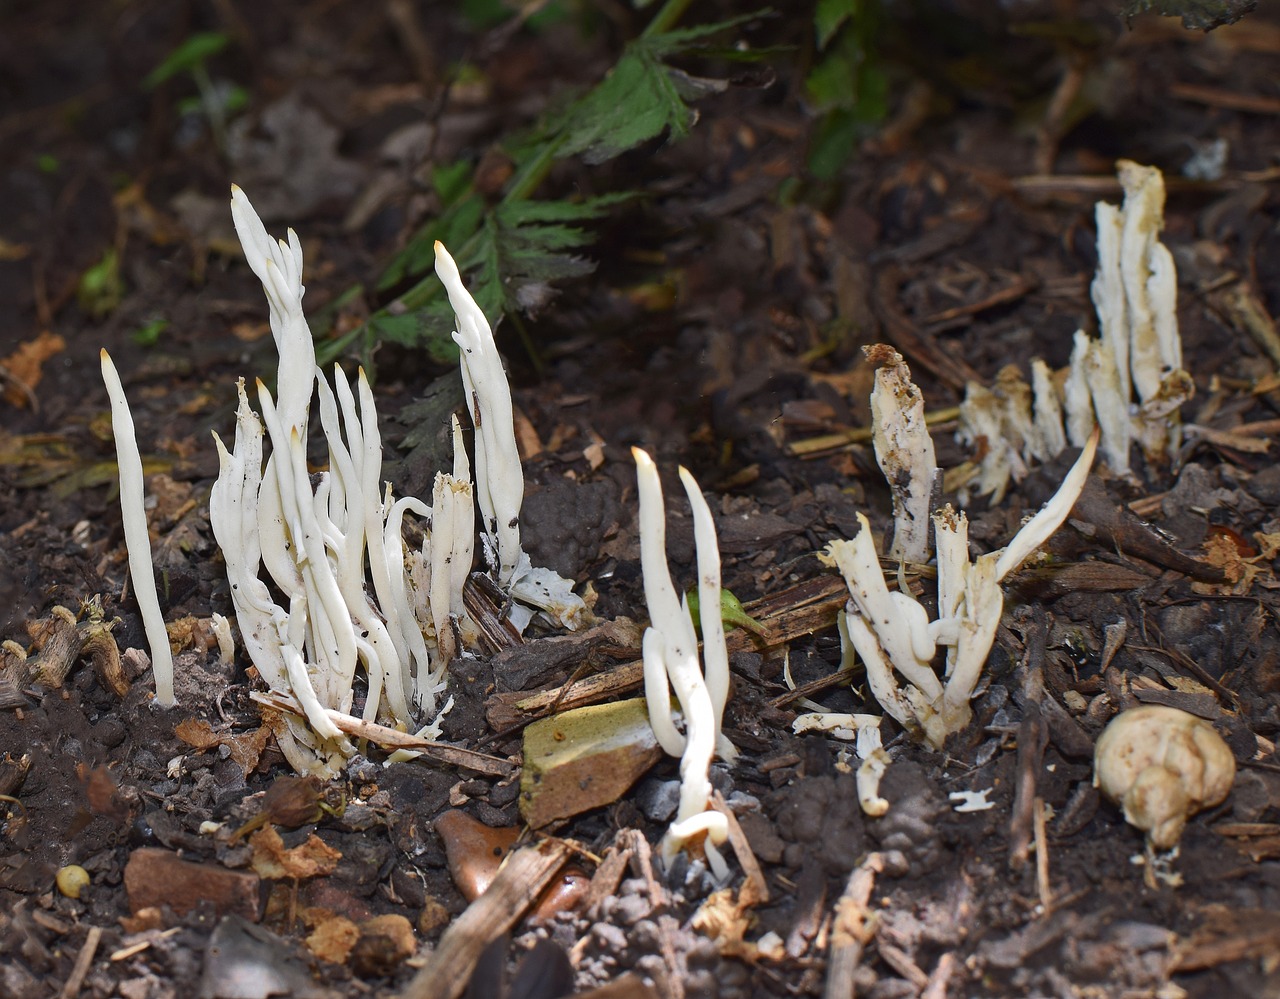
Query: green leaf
x=641, y=98
x=636, y=102
x=484, y=14
x=430, y=330
x=148, y=335
x=829, y=15
x=1197, y=15
x=195, y=50
x=101, y=286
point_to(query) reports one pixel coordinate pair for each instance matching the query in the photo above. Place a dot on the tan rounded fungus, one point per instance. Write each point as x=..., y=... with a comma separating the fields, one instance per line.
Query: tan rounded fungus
x=1162, y=765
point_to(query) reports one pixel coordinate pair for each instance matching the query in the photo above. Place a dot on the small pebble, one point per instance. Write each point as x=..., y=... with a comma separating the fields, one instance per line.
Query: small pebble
x=630, y=909
x=609, y=937
x=645, y=935
x=658, y=799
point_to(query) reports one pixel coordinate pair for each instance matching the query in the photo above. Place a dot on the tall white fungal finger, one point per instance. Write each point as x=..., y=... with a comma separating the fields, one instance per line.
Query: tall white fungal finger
x=138, y=543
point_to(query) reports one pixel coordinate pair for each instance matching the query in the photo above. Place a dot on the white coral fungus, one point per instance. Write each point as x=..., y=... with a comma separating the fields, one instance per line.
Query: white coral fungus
x=137, y=540
x=671, y=662
x=892, y=632
x=1138, y=353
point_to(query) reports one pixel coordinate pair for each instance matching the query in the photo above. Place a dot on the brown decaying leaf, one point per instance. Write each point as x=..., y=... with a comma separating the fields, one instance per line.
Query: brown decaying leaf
x=23, y=366
x=310, y=859
x=1239, y=572
x=245, y=748
x=332, y=938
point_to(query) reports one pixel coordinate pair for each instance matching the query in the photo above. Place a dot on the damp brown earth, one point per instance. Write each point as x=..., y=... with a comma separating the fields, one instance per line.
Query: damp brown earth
x=721, y=329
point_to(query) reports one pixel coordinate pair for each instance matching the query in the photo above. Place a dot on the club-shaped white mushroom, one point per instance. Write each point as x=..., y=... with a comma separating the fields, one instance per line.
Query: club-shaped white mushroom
x=499, y=477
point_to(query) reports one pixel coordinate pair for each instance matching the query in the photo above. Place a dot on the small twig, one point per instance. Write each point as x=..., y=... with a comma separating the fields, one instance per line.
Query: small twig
x=852, y=929
x=1042, y=858
x=83, y=962
x=390, y=738
x=816, y=446
x=1053, y=124
x=519, y=882
x=1033, y=737
x=1216, y=97
x=938, y=981
x=1018, y=288
x=755, y=890
x=801, y=610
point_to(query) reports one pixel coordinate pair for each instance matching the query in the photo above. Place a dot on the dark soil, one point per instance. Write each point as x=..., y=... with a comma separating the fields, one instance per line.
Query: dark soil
x=724, y=324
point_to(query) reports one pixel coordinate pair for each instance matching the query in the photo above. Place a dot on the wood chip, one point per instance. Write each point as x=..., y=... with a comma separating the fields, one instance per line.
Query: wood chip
x=522, y=879
x=83, y=962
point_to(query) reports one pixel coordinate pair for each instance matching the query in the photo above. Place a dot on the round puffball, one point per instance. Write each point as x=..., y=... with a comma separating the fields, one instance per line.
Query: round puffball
x=1162, y=765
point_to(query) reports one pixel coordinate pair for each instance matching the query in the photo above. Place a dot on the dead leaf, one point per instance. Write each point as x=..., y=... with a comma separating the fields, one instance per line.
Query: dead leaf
x=1222, y=552
x=101, y=789
x=272, y=860
x=1268, y=544
x=333, y=938
x=726, y=919
x=197, y=733
x=245, y=748
x=23, y=367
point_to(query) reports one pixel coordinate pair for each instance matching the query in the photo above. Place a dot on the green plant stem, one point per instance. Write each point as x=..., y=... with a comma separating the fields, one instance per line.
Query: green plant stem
x=667, y=17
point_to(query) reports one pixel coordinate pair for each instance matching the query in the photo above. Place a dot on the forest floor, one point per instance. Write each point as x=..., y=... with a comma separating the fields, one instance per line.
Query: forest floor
x=722, y=330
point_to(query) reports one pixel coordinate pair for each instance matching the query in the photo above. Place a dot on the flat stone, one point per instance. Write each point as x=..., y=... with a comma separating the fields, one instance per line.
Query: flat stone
x=584, y=758
x=156, y=877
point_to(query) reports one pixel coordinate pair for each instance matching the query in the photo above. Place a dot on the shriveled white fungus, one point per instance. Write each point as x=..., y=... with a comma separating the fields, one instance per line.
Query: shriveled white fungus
x=1129, y=381
x=1162, y=765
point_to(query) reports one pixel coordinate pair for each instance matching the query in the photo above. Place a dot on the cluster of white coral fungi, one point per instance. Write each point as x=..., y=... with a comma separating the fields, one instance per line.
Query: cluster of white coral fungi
x=891, y=630
x=355, y=599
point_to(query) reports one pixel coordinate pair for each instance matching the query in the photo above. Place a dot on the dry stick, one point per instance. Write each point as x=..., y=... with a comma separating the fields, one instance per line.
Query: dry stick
x=391, y=738
x=1216, y=97
x=813, y=447
x=754, y=890
x=801, y=610
x=1033, y=737
x=1042, y=858
x=83, y=961
x=1242, y=309
x=59, y=652
x=519, y=882
x=852, y=928
x=942, y=971
x=1017, y=288
x=917, y=346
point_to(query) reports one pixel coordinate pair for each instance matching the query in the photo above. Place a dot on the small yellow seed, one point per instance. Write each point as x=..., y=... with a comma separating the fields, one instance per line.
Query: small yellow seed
x=71, y=880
